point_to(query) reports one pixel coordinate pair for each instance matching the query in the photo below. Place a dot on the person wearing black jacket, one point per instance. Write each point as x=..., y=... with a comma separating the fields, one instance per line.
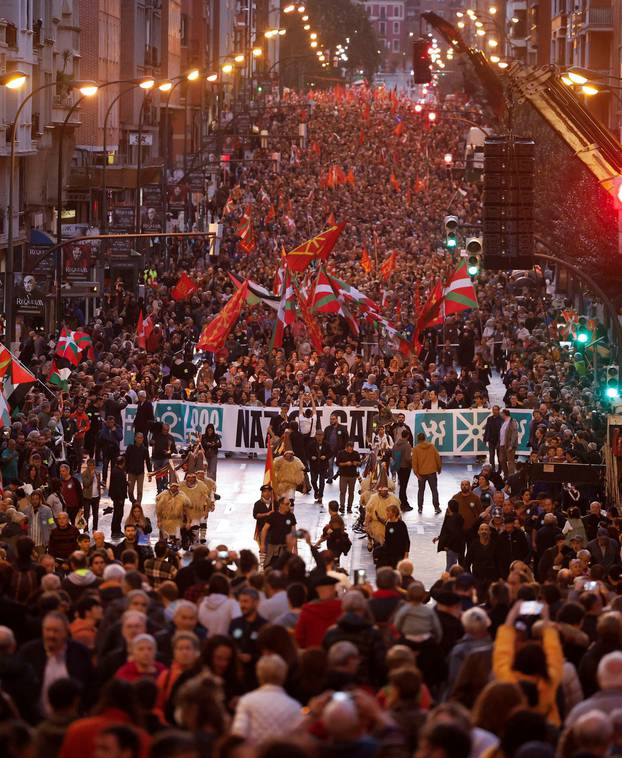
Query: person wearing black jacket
x=451, y=538
x=481, y=558
x=144, y=417
x=136, y=459
x=319, y=454
x=110, y=439
x=492, y=434
x=396, y=540
x=510, y=545
x=211, y=444
x=55, y=646
x=335, y=436
x=117, y=492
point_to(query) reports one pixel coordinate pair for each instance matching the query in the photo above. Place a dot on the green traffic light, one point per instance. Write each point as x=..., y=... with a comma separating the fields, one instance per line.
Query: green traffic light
x=612, y=393
x=451, y=242
x=582, y=337
x=473, y=270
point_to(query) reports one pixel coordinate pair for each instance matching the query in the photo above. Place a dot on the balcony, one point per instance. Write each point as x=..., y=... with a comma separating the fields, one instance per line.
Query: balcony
x=599, y=19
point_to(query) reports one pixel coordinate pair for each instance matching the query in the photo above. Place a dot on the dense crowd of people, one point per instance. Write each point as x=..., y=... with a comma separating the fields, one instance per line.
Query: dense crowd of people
x=114, y=645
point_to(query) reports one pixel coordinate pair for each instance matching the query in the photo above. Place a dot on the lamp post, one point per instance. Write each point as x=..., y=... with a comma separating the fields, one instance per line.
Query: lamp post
x=86, y=92
x=14, y=81
x=147, y=83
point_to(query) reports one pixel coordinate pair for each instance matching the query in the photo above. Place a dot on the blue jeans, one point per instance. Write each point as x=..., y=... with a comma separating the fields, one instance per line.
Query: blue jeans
x=452, y=558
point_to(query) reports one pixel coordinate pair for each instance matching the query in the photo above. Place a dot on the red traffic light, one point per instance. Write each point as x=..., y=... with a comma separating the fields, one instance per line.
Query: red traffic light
x=421, y=61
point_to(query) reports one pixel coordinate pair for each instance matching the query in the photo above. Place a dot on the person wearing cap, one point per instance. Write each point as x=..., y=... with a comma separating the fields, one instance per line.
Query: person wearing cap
x=262, y=509
x=317, y=616
x=604, y=550
x=171, y=507
x=426, y=463
x=348, y=462
x=289, y=474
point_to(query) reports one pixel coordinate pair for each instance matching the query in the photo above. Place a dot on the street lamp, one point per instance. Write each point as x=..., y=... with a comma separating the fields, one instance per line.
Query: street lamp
x=87, y=90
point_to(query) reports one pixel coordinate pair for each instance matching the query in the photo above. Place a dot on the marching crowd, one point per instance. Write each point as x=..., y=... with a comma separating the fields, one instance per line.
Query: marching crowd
x=112, y=645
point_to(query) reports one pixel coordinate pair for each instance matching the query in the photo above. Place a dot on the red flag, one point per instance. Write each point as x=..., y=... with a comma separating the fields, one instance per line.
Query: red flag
x=388, y=266
x=431, y=312
x=215, y=333
x=350, y=178
x=268, y=475
x=399, y=129
x=184, y=287
x=271, y=215
x=318, y=247
x=143, y=330
x=366, y=262
x=331, y=219
x=229, y=205
x=361, y=137
x=394, y=183
x=313, y=328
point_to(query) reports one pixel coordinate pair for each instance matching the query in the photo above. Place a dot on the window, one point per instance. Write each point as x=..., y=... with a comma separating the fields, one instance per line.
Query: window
x=389, y=11
x=396, y=45
x=382, y=28
x=183, y=31
x=396, y=27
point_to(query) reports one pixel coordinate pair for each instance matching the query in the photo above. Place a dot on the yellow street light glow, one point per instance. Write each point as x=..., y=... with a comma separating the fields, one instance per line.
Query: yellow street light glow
x=481, y=33
x=514, y=20
x=282, y=32
x=589, y=89
x=165, y=86
x=577, y=78
x=494, y=59
x=227, y=68
x=14, y=80
x=566, y=80
x=305, y=18
x=460, y=24
x=306, y=27
x=193, y=75
x=492, y=10
x=89, y=90
x=503, y=64
x=492, y=43
x=460, y=14
x=270, y=33
x=470, y=13
x=313, y=35
x=478, y=24
x=289, y=9
x=147, y=84
x=212, y=78
x=301, y=9
x=239, y=59
x=314, y=44
x=257, y=52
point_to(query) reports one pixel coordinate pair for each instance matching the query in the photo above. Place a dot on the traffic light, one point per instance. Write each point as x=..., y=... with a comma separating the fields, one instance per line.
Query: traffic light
x=451, y=232
x=474, y=252
x=422, y=63
x=508, y=202
x=612, y=382
x=582, y=333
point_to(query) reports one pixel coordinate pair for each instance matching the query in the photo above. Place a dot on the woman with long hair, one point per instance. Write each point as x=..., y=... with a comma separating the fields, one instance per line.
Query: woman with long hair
x=137, y=518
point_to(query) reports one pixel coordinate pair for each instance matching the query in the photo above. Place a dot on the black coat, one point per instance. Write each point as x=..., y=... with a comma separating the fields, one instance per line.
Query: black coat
x=118, y=484
x=481, y=561
x=77, y=660
x=368, y=639
x=492, y=430
x=452, y=533
x=509, y=548
x=144, y=418
x=316, y=451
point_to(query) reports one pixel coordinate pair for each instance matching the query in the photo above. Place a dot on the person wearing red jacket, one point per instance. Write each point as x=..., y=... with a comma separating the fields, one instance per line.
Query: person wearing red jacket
x=319, y=615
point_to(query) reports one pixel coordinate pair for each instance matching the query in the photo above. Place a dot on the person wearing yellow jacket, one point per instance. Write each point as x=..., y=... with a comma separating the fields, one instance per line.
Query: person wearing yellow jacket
x=426, y=462
x=540, y=665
